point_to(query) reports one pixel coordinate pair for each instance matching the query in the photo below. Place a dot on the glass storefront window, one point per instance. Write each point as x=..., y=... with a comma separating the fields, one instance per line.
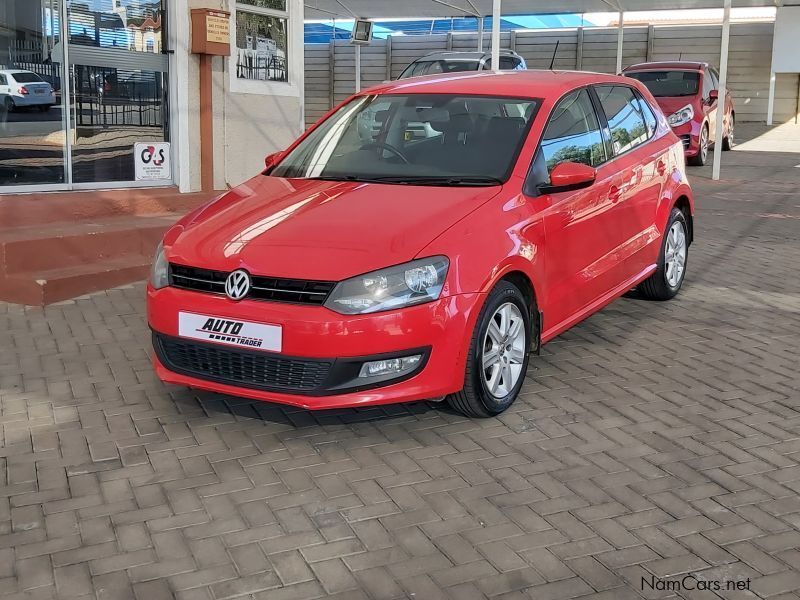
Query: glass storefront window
x=261, y=40
x=32, y=115
x=78, y=123
x=272, y=4
x=118, y=85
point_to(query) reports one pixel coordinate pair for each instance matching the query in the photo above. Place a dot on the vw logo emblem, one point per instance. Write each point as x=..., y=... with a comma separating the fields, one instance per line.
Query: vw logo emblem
x=237, y=285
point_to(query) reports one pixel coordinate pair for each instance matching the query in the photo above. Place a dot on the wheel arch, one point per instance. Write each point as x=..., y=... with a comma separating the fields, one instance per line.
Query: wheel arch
x=523, y=282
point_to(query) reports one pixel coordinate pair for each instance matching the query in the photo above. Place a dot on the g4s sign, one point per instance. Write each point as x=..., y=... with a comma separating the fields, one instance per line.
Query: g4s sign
x=152, y=161
x=151, y=155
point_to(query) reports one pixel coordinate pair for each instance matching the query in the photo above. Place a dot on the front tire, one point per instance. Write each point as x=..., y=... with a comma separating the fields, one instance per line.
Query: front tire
x=667, y=279
x=728, y=141
x=498, y=354
x=699, y=159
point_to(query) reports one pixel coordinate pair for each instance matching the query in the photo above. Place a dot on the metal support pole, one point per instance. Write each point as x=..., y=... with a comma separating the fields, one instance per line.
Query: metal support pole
x=723, y=82
x=480, y=34
x=496, y=10
x=358, y=67
x=771, y=100
x=388, y=58
x=620, y=34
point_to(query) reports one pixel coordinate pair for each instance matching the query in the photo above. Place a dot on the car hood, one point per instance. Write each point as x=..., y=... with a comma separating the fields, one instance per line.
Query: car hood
x=670, y=104
x=313, y=229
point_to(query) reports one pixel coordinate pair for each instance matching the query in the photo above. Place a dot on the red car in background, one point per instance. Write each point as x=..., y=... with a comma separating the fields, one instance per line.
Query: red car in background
x=367, y=266
x=688, y=93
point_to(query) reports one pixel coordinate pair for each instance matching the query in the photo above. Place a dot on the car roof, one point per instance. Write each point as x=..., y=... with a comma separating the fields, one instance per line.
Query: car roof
x=471, y=55
x=673, y=64
x=525, y=84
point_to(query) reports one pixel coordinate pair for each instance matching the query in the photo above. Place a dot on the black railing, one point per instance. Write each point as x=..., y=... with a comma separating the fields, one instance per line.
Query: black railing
x=271, y=68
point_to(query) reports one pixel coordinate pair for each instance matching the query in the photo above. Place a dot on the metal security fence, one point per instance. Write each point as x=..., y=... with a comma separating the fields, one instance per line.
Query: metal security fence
x=330, y=68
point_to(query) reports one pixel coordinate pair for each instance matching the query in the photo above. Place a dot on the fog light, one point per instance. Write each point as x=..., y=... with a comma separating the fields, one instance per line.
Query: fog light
x=390, y=366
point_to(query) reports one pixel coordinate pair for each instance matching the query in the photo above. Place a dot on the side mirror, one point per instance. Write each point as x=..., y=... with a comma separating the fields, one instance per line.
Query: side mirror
x=713, y=95
x=568, y=176
x=272, y=159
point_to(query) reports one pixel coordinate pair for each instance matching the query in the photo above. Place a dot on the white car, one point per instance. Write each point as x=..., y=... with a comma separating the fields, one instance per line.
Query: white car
x=20, y=89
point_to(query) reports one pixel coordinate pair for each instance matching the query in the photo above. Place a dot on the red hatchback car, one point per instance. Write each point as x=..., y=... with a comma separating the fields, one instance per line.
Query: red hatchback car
x=422, y=240
x=688, y=93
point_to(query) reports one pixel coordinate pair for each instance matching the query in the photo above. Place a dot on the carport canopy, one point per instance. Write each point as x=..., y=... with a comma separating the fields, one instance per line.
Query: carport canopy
x=388, y=9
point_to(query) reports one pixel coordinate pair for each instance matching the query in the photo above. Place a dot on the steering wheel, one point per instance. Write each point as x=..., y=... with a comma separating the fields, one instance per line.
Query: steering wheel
x=385, y=146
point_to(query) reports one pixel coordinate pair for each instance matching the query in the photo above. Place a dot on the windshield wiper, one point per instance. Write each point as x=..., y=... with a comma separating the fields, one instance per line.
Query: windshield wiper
x=443, y=180
x=343, y=178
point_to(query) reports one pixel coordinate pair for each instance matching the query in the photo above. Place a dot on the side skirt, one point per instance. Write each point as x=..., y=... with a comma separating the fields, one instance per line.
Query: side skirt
x=593, y=307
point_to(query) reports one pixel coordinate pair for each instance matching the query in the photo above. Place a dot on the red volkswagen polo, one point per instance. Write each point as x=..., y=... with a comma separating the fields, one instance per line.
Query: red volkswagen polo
x=688, y=92
x=422, y=240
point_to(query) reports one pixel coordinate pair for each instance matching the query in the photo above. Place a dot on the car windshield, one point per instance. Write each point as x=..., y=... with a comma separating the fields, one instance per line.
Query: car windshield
x=669, y=84
x=417, y=139
x=431, y=67
x=26, y=78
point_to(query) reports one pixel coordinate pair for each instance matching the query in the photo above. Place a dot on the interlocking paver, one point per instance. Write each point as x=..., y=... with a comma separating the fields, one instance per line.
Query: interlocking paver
x=654, y=439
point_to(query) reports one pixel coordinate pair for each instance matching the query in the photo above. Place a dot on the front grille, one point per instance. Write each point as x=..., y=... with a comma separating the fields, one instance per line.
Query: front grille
x=686, y=139
x=239, y=367
x=300, y=291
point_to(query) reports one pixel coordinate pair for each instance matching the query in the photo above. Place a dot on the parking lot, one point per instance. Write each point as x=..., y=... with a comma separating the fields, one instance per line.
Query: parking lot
x=652, y=441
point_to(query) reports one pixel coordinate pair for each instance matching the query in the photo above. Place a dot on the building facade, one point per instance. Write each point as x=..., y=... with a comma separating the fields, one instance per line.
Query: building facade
x=85, y=83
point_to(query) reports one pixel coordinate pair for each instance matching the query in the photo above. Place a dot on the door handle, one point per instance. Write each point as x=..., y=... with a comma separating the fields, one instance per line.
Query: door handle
x=614, y=193
x=661, y=167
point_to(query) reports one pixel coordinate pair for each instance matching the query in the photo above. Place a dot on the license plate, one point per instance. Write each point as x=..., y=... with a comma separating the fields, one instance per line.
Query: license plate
x=38, y=91
x=230, y=332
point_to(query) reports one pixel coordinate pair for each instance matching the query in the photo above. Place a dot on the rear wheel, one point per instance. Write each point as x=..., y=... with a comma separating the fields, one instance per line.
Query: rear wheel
x=9, y=104
x=699, y=159
x=728, y=141
x=498, y=354
x=667, y=279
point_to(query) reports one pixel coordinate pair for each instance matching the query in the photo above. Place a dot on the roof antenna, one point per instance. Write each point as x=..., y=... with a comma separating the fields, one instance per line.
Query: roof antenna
x=553, y=60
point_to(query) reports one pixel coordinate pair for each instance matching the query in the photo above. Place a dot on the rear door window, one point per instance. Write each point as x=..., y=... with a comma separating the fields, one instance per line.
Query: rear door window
x=625, y=119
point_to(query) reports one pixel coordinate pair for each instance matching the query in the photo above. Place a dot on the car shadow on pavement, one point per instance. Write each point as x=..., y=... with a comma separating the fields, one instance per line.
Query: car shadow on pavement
x=243, y=409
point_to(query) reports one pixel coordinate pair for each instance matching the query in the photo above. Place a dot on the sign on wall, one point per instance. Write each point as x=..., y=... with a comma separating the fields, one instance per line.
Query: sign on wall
x=152, y=161
x=218, y=28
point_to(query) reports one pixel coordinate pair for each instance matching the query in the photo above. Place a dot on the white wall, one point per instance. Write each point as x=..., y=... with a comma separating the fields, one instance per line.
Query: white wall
x=251, y=118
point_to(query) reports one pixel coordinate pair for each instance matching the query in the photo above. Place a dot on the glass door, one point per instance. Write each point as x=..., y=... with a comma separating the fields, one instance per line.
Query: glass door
x=70, y=114
x=33, y=121
x=118, y=75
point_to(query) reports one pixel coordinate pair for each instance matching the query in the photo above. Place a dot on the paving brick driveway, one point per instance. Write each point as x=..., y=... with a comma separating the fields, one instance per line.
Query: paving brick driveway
x=655, y=439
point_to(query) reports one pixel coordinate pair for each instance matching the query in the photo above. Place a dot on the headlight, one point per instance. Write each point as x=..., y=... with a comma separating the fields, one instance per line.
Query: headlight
x=394, y=287
x=159, y=273
x=679, y=117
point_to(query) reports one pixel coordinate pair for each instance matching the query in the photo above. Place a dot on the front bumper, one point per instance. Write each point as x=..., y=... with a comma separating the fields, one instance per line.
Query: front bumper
x=689, y=134
x=439, y=330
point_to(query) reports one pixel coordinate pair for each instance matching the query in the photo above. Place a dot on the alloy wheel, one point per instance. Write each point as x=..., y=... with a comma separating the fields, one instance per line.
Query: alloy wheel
x=704, y=143
x=675, y=254
x=504, y=350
